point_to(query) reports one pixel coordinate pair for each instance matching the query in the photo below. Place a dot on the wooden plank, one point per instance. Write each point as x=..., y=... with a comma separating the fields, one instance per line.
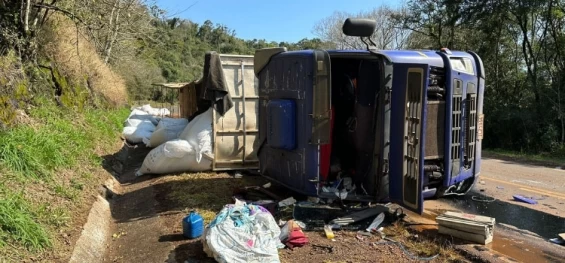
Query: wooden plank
x=562, y=236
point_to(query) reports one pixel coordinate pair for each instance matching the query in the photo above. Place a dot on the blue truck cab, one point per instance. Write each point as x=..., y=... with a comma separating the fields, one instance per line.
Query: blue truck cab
x=370, y=125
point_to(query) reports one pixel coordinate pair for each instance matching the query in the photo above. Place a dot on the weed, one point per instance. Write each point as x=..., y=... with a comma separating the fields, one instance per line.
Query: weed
x=17, y=223
x=551, y=159
x=66, y=192
x=77, y=184
x=62, y=144
x=53, y=216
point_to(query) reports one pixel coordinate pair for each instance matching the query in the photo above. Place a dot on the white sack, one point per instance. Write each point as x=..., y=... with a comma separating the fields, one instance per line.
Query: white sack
x=137, y=116
x=172, y=123
x=255, y=239
x=155, y=111
x=137, y=134
x=173, y=157
x=168, y=129
x=161, y=136
x=198, y=133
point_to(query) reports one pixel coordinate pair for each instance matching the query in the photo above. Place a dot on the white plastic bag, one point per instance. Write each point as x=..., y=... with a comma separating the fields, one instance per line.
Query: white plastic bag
x=254, y=239
x=173, y=157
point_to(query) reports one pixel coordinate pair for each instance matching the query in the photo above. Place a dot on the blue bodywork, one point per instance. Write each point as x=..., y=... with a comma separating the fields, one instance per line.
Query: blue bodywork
x=294, y=76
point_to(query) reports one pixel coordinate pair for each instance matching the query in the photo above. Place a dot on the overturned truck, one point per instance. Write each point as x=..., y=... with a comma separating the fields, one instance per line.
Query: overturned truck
x=366, y=125
x=397, y=125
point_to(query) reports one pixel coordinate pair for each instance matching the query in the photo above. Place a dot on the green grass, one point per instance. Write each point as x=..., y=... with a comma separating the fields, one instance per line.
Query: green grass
x=34, y=155
x=17, y=223
x=553, y=159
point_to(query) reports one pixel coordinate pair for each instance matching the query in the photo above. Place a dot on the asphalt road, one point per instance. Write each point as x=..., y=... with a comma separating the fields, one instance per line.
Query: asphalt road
x=523, y=229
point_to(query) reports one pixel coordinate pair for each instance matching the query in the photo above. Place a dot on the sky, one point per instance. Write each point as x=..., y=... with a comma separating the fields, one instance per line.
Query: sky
x=287, y=20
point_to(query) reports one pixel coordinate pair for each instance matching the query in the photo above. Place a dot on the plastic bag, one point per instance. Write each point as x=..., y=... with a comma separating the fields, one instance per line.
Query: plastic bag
x=243, y=233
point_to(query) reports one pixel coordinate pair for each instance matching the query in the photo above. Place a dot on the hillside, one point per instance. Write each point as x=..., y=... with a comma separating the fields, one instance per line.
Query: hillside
x=68, y=71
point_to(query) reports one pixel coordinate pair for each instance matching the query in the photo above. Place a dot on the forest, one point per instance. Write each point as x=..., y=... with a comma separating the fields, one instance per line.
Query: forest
x=520, y=42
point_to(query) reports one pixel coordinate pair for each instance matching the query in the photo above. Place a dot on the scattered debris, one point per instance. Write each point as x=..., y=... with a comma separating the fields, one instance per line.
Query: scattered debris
x=469, y=227
x=328, y=231
x=482, y=182
x=524, y=199
x=292, y=235
x=287, y=202
x=238, y=175
x=560, y=240
x=270, y=205
x=118, y=235
x=313, y=200
x=376, y=222
x=358, y=216
x=500, y=187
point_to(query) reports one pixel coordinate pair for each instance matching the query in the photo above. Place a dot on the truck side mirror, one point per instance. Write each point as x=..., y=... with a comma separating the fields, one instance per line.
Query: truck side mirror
x=359, y=27
x=362, y=28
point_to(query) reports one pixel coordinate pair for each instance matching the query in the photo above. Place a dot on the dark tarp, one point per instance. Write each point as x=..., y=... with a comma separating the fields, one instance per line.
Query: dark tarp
x=212, y=88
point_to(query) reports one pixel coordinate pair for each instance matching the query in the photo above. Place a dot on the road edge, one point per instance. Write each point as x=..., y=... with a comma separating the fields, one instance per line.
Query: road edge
x=91, y=244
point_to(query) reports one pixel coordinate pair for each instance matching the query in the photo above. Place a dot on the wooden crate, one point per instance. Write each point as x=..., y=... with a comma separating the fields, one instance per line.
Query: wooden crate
x=475, y=228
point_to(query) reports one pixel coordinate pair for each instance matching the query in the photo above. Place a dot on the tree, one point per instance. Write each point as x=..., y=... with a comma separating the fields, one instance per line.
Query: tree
x=521, y=43
x=386, y=35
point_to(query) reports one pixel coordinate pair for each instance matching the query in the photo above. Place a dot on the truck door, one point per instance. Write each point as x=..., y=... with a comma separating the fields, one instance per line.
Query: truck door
x=461, y=117
x=407, y=135
x=294, y=117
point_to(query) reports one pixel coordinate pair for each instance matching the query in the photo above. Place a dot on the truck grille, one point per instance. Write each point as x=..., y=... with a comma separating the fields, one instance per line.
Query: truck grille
x=456, y=122
x=471, y=127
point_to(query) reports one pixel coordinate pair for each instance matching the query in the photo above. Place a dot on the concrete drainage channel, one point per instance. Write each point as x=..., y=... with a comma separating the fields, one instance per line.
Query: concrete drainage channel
x=91, y=245
x=97, y=231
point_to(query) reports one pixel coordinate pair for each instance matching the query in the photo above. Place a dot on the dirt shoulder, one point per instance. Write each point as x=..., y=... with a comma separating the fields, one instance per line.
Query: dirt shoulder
x=149, y=211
